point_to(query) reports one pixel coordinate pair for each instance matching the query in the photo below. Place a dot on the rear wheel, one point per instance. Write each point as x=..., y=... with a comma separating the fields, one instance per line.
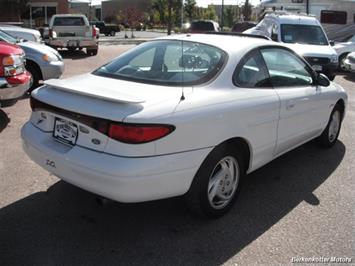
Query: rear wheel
x=92, y=51
x=331, y=132
x=113, y=33
x=217, y=183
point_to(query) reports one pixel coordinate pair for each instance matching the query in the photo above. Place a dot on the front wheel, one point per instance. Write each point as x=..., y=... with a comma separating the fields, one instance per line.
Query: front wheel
x=217, y=183
x=331, y=132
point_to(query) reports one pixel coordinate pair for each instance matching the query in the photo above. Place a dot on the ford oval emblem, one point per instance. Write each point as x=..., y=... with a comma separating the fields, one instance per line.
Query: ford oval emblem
x=96, y=141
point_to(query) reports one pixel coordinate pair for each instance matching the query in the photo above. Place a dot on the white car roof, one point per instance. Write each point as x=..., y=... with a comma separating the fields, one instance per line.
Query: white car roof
x=228, y=43
x=295, y=19
x=19, y=29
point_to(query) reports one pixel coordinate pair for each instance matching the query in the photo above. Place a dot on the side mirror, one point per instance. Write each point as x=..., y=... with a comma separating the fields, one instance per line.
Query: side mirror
x=332, y=43
x=322, y=80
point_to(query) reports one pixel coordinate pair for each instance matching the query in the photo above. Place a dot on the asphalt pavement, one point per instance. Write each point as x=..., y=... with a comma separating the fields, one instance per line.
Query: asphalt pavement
x=301, y=205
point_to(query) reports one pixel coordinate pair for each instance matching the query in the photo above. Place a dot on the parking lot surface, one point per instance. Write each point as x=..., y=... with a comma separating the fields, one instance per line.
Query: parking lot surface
x=301, y=205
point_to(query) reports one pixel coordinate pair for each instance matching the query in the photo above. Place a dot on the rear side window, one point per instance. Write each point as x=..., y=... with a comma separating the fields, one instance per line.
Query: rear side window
x=251, y=72
x=333, y=17
x=285, y=68
x=68, y=21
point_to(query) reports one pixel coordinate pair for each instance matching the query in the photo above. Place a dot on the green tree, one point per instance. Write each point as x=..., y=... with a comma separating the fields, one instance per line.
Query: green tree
x=210, y=13
x=246, y=10
x=230, y=15
x=189, y=8
x=160, y=7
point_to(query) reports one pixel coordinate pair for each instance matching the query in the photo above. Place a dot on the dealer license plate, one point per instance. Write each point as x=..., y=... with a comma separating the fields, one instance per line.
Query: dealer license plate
x=317, y=67
x=65, y=131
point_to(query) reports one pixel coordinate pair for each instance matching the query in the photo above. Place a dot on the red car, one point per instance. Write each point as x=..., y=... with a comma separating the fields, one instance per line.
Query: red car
x=14, y=79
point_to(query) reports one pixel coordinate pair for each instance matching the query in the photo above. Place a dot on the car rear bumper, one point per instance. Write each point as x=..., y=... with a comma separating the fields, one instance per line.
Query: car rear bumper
x=65, y=43
x=13, y=91
x=52, y=70
x=124, y=179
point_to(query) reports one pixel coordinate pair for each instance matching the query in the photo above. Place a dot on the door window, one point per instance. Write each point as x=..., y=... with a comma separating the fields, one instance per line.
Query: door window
x=251, y=72
x=285, y=68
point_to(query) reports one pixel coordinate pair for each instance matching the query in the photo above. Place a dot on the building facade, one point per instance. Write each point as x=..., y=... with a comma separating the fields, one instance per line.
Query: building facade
x=112, y=9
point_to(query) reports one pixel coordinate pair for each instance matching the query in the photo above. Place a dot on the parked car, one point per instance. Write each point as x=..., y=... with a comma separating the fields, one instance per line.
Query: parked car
x=149, y=125
x=200, y=26
x=305, y=35
x=343, y=49
x=14, y=79
x=349, y=62
x=243, y=26
x=72, y=32
x=23, y=33
x=42, y=62
x=105, y=28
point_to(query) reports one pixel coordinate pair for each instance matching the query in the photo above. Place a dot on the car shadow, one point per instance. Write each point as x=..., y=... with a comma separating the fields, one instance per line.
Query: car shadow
x=349, y=77
x=4, y=120
x=64, y=225
x=74, y=55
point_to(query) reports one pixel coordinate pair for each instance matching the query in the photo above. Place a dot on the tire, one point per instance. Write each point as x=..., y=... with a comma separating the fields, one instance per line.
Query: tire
x=341, y=66
x=214, y=189
x=112, y=33
x=36, y=75
x=331, y=77
x=330, y=134
x=92, y=52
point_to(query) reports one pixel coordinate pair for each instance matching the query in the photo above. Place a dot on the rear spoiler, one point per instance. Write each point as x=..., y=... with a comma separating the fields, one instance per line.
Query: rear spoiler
x=237, y=34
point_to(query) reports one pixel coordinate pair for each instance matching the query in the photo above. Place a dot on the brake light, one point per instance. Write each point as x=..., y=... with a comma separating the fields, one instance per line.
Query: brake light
x=93, y=31
x=50, y=33
x=140, y=133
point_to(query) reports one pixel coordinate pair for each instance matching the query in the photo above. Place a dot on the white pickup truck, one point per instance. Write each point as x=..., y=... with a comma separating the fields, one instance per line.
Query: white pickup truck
x=72, y=32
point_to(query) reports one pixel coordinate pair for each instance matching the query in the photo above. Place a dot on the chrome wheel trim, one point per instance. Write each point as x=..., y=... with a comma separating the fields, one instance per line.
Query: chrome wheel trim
x=334, y=126
x=342, y=65
x=223, y=182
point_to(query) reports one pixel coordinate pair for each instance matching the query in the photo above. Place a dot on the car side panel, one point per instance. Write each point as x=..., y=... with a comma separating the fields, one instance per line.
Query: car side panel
x=209, y=117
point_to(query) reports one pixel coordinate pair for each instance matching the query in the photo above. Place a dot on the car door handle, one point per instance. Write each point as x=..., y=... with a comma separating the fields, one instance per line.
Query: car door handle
x=290, y=104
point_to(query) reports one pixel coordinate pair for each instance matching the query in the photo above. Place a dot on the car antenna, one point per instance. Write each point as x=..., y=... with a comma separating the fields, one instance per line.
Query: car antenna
x=183, y=71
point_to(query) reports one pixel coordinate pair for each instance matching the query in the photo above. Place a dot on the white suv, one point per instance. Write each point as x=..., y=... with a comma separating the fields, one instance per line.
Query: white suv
x=302, y=33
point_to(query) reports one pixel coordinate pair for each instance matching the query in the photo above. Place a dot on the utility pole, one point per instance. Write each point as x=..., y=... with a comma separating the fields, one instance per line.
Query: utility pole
x=222, y=15
x=182, y=14
x=307, y=7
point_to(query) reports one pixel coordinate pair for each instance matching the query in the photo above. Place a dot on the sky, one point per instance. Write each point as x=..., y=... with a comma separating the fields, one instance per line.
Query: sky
x=203, y=3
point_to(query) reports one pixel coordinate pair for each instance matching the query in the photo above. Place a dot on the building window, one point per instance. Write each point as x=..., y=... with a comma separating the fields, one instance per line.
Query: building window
x=333, y=17
x=41, y=15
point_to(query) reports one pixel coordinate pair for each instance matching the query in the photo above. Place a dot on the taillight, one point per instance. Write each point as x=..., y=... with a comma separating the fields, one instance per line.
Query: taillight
x=50, y=33
x=93, y=31
x=138, y=133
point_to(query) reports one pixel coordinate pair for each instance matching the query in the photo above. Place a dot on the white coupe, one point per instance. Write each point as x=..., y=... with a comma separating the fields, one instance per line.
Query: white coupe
x=184, y=115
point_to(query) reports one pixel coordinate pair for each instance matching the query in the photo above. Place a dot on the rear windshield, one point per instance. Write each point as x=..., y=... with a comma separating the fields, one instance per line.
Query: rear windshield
x=172, y=62
x=202, y=26
x=307, y=34
x=69, y=21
